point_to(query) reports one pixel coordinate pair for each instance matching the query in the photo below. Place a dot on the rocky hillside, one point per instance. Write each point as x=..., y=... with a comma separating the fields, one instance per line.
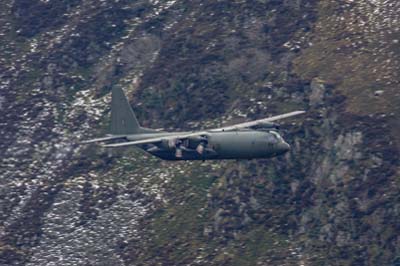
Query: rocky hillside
x=333, y=200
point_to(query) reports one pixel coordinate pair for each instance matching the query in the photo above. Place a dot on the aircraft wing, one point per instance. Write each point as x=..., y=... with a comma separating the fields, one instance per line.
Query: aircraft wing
x=103, y=139
x=202, y=133
x=156, y=140
x=257, y=122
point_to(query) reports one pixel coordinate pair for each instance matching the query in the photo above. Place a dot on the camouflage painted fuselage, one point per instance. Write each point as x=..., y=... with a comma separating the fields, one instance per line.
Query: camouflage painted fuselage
x=241, y=144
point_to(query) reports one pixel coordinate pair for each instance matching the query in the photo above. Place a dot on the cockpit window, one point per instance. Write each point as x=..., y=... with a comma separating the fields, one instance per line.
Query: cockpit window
x=272, y=138
x=276, y=135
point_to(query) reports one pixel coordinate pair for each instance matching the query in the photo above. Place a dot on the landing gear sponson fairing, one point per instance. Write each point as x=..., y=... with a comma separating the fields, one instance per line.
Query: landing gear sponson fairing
x=249, y=140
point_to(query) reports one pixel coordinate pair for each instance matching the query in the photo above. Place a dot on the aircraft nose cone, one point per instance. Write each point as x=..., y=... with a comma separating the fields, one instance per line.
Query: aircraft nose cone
x=283, y=147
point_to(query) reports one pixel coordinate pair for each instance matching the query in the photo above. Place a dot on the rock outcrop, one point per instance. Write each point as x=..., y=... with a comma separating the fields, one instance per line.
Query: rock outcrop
x=334, y=199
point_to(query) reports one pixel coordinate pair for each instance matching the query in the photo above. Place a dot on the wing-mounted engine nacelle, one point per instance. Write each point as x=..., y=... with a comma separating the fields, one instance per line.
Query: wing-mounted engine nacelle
x=266, y=125
x=170, y=144
x=174, y=144
x=199, y=143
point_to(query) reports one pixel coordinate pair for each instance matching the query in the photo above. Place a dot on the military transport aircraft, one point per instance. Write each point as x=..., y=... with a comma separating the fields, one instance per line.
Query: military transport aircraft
x=254, y=139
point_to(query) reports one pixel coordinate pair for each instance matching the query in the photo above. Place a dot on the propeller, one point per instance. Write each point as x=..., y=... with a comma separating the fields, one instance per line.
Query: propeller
x=178, y=152
x=172, y=143
x=179, y=146
x=176, y=143
x=200, y=148
x=203, y=143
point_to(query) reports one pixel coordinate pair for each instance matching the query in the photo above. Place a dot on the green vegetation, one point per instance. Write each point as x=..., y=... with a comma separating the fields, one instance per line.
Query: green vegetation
x=344, y=55
x=332, y=199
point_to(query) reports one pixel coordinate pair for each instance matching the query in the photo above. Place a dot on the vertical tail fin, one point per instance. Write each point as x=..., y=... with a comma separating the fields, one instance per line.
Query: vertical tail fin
x=123, y=119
